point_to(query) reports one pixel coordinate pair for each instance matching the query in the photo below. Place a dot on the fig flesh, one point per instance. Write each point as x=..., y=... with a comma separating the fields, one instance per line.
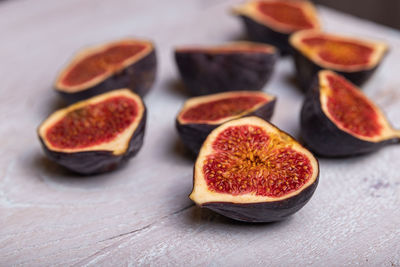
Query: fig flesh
x=251, y=171
x=273, y=21
x=200, y=115
x=353, y=58
x=338, y=120
x=95, y=135
x=230, y=67
x=128, y=63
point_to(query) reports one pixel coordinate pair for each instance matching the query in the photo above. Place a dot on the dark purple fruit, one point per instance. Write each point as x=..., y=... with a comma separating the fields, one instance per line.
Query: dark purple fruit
x=128, y=63
x=200, y=115
x=338, y=120
x=251, y=171
x=353, y=58
x=230, y=67
x=272, y=21
x=95, y=135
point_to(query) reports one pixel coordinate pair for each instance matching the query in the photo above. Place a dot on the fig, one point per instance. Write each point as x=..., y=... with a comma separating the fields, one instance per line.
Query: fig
x=200, y=115
x=251, y=171
x=128, y=63
x=95, y=135
x=230, y=67
x=338, y=120
x=273, y=21
x=353, y=58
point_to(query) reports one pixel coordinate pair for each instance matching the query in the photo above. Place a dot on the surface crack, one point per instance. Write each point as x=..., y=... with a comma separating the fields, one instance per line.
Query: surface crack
x=148, y=225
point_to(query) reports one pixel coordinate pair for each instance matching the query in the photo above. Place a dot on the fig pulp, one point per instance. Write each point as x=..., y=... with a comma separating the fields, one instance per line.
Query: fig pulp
x=249, y=170
x=230, y=67
x=128, y=63
x=200, y=115
x=337, y=119
x=353, y=58
x=95, y=135
x=272, y=21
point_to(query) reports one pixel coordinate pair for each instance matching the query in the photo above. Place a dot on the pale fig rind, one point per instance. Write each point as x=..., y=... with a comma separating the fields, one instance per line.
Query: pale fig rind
x=269, y=31
x=138, y=76
x=308, y=66
x=193, y=134
x=251, y=208
x=322, y=136
x=89, y=162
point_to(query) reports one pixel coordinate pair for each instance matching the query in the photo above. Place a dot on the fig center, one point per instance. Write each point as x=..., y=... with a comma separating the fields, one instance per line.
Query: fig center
x=99, y=63
x=93, y=124
x=246, y=159
x=351, y=109
x=222, y=108
x=287, y=13
x=339, y=51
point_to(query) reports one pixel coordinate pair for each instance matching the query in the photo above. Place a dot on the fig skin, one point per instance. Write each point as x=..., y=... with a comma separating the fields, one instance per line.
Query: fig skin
x=261, y=33
x=324, y=138
x=194, y=134
x=208, y=73
x=306, y=71
x=266, y=211
x=98, y=161
x=139, y=77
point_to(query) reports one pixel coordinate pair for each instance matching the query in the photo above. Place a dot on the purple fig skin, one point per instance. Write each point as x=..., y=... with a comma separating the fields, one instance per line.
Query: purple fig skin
x=261, y=33
x=204, y=73
x=306, y=70
x=264, y=212
x=324, y=138
x=138, y=77
x=96, y=162
x=194, y=134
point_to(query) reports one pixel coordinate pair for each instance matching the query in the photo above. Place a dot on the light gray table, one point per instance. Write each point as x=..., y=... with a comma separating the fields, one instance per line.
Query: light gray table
x=141, y=214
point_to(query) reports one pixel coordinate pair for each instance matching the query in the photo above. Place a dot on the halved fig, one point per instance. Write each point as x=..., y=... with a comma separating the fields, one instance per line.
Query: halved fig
x=128, y=63
x=338, y=120
x=230, y=67
x=353, y=58
x=200, y=115
x=272, y=21
x=249, y=170
x=95, y=135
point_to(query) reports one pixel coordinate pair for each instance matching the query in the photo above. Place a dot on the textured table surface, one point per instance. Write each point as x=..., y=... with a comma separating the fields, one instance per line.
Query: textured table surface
x=141, y=214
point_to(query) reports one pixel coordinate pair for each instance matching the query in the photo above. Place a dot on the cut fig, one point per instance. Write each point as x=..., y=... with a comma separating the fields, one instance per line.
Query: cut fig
x=200, y=115
x=128, y=63
x=249, y=170
x=95, y=135
x=231, y=67
x=338, y=120
x=353, y=58
x=272, y=21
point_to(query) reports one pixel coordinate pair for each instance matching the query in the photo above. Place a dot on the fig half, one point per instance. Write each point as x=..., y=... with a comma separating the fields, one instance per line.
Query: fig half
x=95, y=135
x=128, y=63
x=338, y=120
x=229, y=67
x=251, y=171
x=272, y=21
x=200, y=115
x=353, y=58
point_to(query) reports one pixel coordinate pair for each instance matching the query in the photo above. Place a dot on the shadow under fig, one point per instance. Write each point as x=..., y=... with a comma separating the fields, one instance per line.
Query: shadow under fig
x=48, y=169
x=292, y=81
x=178, y=149
x=204, y=215
x=176, y=86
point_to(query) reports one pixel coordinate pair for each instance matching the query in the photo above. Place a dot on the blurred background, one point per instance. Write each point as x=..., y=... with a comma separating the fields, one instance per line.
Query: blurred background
x=386, y=12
